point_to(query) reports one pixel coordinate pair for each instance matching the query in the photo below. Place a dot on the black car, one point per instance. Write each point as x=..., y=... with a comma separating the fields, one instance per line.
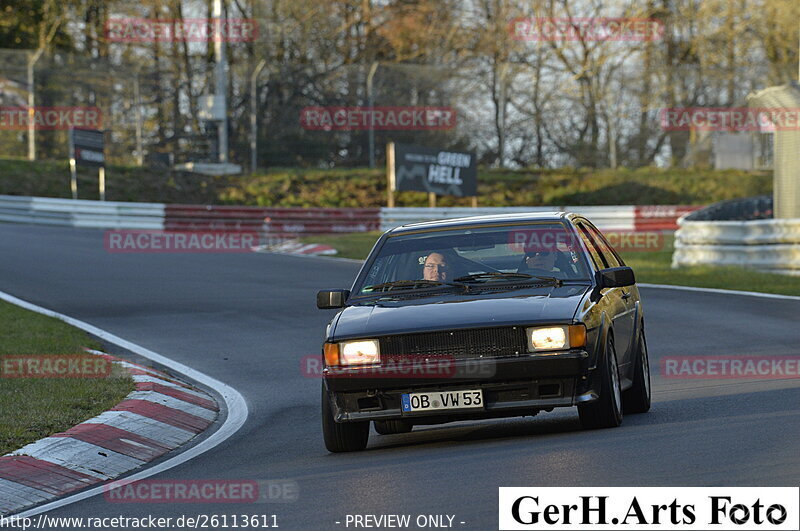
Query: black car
x=483, y=317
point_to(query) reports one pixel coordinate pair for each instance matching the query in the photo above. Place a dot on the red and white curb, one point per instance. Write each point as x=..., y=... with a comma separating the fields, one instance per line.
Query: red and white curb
x=294, y=247
x=160, y=415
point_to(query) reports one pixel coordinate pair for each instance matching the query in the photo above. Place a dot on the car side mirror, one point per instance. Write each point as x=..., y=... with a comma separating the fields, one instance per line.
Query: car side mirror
x=329, y=299
x=615, y=277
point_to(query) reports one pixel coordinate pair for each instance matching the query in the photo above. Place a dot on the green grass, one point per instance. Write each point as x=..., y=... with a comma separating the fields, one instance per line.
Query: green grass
x=362, y=187
x=32, y=408
x=51, y=178
x=653, y=267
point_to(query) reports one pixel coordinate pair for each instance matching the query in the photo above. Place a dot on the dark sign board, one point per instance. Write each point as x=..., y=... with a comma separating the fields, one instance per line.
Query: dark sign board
x=86, y=147
x=439, y=171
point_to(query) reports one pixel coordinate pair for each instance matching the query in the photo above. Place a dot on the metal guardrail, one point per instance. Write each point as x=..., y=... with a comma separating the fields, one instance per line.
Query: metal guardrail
x=661, y=217
x=605, y=217
x=213, y=218
x=292, y=222
x=273, y=221
x=322, y=220
x=765, y=244
x=81, y=213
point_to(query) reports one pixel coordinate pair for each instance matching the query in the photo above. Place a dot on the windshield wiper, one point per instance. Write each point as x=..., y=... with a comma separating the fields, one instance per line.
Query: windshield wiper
x=499, y=275
x=412, y=284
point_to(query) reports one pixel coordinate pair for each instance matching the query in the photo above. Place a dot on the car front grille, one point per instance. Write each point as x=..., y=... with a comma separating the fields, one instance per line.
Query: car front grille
x=457, y=344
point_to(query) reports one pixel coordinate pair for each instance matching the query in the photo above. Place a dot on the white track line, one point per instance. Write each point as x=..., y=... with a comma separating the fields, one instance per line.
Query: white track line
x=234, y=403
x=723, y=291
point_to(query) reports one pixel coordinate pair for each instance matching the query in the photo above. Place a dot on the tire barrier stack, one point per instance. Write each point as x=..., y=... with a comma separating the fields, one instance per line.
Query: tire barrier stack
x=739, y=233
x=748, y=209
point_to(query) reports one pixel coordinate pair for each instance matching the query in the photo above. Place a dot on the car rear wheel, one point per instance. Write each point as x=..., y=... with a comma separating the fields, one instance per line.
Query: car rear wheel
x=606, y=411
x=342, y=436
x=637, y=398
x=390, y=427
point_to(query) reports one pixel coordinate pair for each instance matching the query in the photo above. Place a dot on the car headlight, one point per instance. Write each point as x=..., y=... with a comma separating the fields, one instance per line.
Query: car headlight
x=359, y=352
x=560, y=337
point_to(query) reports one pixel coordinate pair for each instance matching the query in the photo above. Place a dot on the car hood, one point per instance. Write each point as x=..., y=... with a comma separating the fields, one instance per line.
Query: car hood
x=449, y=311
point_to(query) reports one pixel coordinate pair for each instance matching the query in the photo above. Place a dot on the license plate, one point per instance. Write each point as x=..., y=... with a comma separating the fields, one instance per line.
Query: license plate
x=438, y=400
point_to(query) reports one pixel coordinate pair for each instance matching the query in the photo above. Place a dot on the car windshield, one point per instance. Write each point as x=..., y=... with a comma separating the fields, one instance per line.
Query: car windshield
x=482, y=256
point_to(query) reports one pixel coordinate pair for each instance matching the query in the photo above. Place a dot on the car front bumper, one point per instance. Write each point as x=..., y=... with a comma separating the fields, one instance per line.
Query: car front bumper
x=515, y=386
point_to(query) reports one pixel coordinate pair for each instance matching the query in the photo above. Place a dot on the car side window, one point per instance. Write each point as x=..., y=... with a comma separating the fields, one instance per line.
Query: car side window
x=606, y=249
x=590, y=244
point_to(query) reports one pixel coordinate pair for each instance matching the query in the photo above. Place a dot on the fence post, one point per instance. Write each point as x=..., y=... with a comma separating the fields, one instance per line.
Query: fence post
x=101, y=182
x=390, y=176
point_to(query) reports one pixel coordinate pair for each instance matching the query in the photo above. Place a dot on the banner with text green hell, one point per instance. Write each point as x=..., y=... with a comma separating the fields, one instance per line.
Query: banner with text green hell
x=443, y=172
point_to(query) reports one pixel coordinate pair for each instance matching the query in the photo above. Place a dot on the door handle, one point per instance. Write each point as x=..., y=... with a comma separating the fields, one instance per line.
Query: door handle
x=626, y=296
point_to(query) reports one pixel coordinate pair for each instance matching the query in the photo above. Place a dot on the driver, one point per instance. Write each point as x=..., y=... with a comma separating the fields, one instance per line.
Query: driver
x=435, y=267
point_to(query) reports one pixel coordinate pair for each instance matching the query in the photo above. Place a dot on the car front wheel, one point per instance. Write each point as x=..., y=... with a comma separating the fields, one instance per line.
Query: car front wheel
x=342, y=436
x=637, y=398
x=606, y=411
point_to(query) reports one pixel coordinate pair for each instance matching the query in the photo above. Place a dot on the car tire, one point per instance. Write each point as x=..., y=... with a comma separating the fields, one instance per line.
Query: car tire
x=342, y=436
x=391, y=427
x=606, y=411
x=637, y=398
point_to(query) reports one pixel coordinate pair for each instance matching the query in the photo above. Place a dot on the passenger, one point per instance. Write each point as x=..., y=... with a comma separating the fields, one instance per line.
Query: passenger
x=435, y=267
x=539, y=263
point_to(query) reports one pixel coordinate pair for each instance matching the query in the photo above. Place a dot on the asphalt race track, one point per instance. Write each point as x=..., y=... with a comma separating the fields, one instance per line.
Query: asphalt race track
x=248, y=319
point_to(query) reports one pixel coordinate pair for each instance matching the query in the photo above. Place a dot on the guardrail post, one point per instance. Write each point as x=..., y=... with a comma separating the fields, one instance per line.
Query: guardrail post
x=101, y=182
x=73, y=179
x=390, y=176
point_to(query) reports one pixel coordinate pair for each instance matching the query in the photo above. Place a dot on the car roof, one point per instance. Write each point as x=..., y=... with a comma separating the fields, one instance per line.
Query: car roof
x=493, y=219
